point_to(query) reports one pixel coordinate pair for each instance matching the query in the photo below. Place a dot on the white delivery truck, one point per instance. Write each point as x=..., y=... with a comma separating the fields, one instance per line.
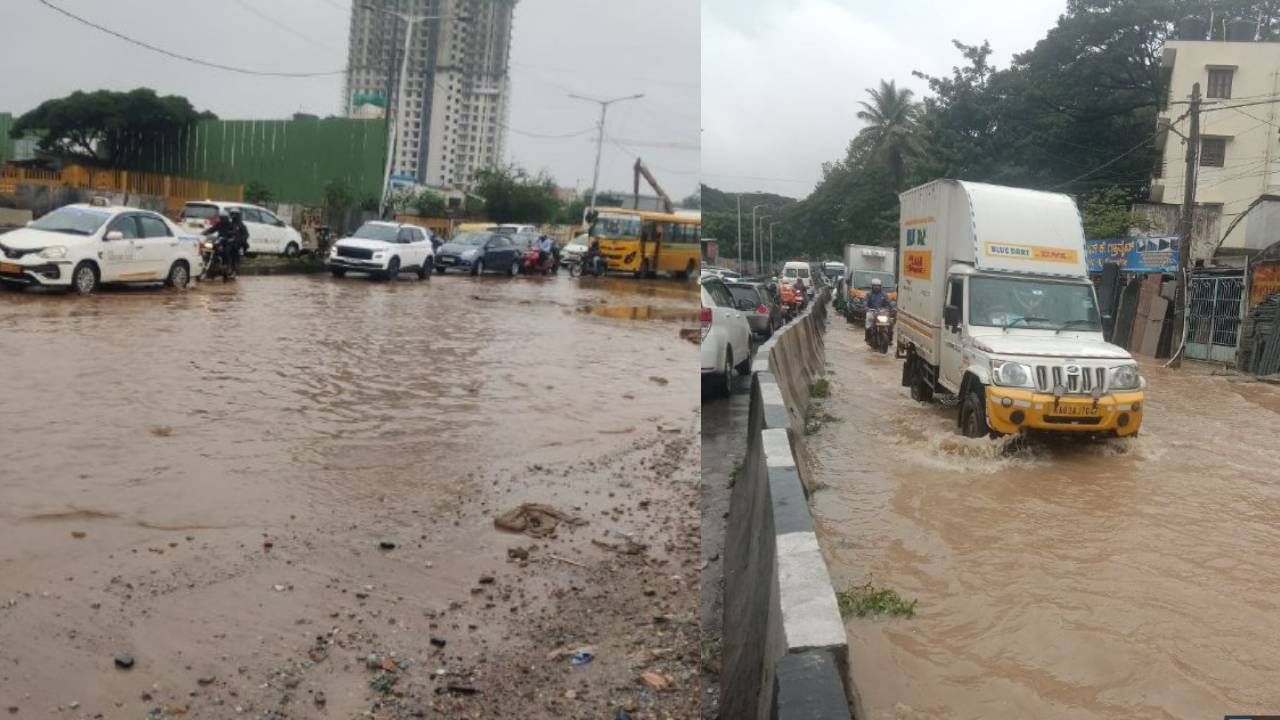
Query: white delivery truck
x=995, y=308
x=862, y=264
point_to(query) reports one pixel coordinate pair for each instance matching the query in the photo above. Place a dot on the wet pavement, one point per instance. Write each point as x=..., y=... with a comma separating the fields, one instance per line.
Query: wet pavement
x=252, y=488
x=1056, y=579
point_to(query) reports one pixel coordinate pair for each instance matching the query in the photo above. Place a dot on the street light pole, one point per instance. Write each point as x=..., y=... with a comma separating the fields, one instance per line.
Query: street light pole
x=753, y=230
x=775, y=222
x=604, y=109
x=410, y=21
x=760, y=250
x=739, y=232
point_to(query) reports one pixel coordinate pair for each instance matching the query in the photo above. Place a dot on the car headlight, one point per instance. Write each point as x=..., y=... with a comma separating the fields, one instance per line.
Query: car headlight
x=469, y=253
x=1125, y=377
x=378, y=255
x=53, y=253
x=1010, y=374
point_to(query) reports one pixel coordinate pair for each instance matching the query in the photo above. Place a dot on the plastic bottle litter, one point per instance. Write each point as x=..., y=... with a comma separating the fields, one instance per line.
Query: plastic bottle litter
x=581, y=658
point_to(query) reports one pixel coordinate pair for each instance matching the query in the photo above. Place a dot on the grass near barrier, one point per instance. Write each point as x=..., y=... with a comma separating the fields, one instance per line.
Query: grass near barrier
x=870, y=601
x=820, y=388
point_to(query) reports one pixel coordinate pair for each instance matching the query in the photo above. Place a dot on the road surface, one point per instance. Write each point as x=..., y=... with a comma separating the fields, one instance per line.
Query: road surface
x=1131, y=579
x=277, y=498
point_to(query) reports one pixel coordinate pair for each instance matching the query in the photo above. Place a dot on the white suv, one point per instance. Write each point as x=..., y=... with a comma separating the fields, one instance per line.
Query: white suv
x=82, y=246
x=384, y=250
x=726, y=337
x=268, y=234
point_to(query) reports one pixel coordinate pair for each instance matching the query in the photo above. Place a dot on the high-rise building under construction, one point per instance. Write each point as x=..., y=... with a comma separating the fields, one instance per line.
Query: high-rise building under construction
x=451, y=120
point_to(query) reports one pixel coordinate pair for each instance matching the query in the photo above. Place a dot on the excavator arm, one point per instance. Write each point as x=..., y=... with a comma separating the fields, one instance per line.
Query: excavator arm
x=641, y=169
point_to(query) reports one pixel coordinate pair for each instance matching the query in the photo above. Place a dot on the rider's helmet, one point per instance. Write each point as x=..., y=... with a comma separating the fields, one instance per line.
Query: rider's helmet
x=235, y=213
x=875, y=283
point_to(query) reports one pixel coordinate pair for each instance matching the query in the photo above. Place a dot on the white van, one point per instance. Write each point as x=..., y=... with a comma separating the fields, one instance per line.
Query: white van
x=795, y=270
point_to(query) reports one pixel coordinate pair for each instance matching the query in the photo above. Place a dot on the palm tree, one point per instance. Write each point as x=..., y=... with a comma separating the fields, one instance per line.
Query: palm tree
x=889, y=136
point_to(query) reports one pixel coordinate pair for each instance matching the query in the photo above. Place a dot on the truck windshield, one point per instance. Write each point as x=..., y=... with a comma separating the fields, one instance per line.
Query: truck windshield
x=1008, y=302
x=862, y=279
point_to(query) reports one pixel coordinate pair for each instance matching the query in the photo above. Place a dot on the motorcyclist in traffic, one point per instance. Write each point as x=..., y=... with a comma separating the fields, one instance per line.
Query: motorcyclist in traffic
x=234, y=237
x=591, y=255
x=877, y=299
x=545, y=249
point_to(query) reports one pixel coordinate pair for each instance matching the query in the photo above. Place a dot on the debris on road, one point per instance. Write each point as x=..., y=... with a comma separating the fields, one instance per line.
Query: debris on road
x=535, y=519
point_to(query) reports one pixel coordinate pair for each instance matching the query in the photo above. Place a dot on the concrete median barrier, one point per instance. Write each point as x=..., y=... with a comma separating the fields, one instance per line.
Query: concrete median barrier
x=785, y=654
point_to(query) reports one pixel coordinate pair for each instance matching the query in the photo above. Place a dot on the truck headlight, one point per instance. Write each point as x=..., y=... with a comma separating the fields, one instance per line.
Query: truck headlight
x=1010, y=374
x=53, y=253
x=1125, y=377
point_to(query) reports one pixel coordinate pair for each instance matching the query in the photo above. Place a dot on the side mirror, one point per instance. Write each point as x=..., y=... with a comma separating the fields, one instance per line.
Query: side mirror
x=279, y=222
x=951, y=316
x=113, y=236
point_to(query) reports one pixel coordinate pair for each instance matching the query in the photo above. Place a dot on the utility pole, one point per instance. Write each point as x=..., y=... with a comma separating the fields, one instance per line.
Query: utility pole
x=1186, y=224
x=739, y=232
x=760, y=258
x=753, y=231
x=775, y=222
x=604, y=110
x=410, y=21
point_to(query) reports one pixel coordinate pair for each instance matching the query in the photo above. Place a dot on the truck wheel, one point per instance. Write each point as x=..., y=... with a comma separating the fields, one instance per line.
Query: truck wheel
x=973, y=414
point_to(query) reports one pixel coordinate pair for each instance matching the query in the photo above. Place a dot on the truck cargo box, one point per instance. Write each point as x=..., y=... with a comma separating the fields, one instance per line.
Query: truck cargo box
x=989, y=228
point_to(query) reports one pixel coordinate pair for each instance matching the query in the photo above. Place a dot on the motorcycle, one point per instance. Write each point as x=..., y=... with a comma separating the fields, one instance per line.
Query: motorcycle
x=880, y=333
x=791, y=301
x=595, y=267
x=533, y=262
x=215, y=252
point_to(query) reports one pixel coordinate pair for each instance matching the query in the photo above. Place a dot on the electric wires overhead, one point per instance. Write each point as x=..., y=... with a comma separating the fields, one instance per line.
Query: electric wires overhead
x=182, y=57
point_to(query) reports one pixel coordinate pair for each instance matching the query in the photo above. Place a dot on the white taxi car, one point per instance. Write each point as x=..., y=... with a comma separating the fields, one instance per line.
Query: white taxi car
x=384, y=250
x=268, y=234
x=85, y=245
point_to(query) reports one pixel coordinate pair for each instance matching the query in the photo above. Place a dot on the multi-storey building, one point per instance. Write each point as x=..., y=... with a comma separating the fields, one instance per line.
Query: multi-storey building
x=1239, y=155
x=452, y=117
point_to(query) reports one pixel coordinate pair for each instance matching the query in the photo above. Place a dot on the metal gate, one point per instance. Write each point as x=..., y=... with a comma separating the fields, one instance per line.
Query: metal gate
x=1213, y=331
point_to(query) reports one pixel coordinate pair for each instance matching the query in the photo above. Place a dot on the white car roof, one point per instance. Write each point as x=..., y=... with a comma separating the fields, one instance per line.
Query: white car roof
x=113, y=209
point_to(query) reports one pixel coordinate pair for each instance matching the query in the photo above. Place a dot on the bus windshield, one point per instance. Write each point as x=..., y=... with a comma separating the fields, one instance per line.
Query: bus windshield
x=1008, y=302
x=617, y=226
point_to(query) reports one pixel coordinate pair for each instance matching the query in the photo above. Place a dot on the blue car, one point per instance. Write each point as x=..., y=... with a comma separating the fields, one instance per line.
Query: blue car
x=477, y=252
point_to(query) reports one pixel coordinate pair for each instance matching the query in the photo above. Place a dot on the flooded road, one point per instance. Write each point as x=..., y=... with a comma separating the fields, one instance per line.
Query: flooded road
x=1057, y=580
x=233, y=481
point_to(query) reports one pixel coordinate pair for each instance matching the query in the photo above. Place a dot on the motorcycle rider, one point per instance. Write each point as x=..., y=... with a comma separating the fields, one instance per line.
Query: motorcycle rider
x=233, y=237
x=876, y=299
x=591, y=255
x=545, y=249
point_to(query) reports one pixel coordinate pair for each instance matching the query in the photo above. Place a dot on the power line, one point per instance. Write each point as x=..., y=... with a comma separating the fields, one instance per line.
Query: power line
x=1122, y=155
x=284, y=26
x=633, y=154
x=543, y=136
x=658, y=144
x=185, y=58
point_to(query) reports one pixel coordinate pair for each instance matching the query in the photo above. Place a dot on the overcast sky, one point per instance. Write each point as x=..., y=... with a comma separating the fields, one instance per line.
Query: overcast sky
x=781, y=80
x=591, y=47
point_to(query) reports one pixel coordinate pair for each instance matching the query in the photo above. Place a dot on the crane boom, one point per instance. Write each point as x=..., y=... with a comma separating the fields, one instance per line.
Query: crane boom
x=642, y=169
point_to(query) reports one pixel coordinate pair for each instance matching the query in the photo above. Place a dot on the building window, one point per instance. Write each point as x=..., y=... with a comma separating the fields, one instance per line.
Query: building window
x=1219, y=83
x=1213, y=152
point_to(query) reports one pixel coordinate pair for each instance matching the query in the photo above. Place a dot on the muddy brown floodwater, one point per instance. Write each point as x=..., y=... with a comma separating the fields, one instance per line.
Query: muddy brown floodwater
x=1059, y=579
x=277, y=498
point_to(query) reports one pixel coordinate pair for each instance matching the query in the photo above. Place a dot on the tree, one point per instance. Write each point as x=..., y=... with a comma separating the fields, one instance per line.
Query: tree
x=889, y=137
x=693, y=201
x=511, y=194
x=429, y=204
x=1107, y=214
x=105, y=125
x=257, y=193
x=338, y=201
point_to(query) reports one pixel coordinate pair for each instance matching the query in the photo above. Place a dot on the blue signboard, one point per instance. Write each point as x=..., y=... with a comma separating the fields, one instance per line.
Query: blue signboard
x=1135, y=254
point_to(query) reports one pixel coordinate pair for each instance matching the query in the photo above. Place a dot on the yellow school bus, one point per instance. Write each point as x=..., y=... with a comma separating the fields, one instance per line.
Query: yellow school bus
x=646, y=243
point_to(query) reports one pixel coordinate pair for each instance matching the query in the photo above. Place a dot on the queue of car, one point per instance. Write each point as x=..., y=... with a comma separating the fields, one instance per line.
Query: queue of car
x=83, y=246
